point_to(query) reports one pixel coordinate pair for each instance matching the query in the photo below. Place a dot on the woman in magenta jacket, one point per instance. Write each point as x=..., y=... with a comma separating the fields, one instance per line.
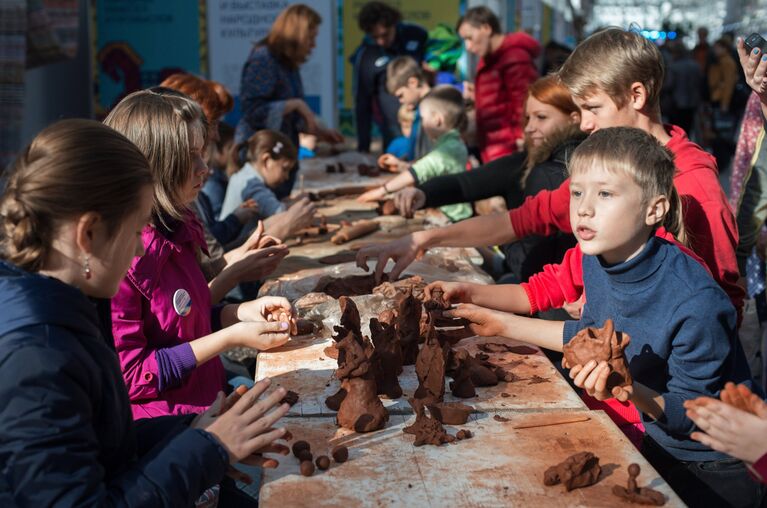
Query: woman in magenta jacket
x=505, y=71
x=167, y=335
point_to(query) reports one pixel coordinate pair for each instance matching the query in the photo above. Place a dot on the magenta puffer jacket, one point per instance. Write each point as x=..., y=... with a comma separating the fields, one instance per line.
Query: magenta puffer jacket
x=145, y=319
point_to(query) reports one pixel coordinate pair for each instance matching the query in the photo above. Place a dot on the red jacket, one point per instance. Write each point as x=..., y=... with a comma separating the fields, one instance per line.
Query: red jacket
x=500, y=90
x=708, y=218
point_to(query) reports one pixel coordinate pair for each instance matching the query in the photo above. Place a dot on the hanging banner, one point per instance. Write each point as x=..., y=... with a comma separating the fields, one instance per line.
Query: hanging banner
x=233, y=26
x=138, y=44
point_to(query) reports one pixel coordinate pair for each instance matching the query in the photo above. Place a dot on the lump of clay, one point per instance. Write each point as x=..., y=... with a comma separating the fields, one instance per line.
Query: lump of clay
x=304, y=327
x=437, y=301
x=430, y=368
x=361, y=410
x=368, y=170
x=352, y=285
x=354, y=231
x=290, y=398
x=330, y=168
x=461, y=386
x=409, y=326
x=426, y=430
x=300, y=446
x=481, y=371
x=387, y=358
x=386, y=207
x=450, y=413
x=307, y=468
x=340, y=454
x=639, y=495
x=578, y=470
x=602, y=345
x=455, y=336
x=464, y=434
x=322, y=462
x=393, y=289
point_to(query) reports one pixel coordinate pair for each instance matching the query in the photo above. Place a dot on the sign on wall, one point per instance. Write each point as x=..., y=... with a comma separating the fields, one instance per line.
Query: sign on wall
x=233, y=26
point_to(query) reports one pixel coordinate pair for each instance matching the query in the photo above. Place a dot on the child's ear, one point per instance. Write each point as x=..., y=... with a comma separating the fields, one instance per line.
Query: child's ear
x=413, y=82
x=637, y=96
x=575, y=118
x=263, y=158
x=657, y=210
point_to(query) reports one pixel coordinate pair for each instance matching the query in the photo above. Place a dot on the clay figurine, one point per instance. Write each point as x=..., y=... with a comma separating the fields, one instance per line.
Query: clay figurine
x=430, y=368
x=639, y=495
x=601, y=344
x=409, y=326
x=578, y=470
x=436, y=301
x=426, y=430
x=387, y=357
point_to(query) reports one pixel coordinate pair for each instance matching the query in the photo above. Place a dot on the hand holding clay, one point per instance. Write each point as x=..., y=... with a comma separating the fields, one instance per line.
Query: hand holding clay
x=403, y=252
x=266, y=308
x=482, y=321
x=593, y=378
x=452, y=292
x=728, y=429
x=258, y=334
x=601, y=345
x=408, y=200
x=392, y=164
x=372, y=195
x=246, y=428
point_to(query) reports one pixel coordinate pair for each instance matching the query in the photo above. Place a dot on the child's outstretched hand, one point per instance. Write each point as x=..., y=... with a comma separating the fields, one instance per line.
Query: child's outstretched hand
x=452, y=292
x=593, y=377
x=484, y=322
x=376, y=194
x=727, y=429
x=392, y=164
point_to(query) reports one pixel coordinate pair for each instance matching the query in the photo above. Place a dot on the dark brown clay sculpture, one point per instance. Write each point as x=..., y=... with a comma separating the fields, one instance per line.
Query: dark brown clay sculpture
x=409, y=326
x=426, y=430
x=387, y=357
x=430, y=368
x=639, y=495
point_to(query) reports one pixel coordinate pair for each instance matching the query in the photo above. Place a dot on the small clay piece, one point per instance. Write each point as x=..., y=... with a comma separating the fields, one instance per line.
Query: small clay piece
x=386, y=207
x=341, y=168
x=360, y=410
x=387, y=358
x=330, y=168
x=409, y=327
x=462, y=385
x=481, y=372
x=331, y=352
x=639, y=495
x=450, y=413
x=464, y=434
x=506, y=376
x=304, y=327
x=354, y=231
x=322, y=462
x=578, y=470
x=499, y=418
x=307, y=468
x=290, y=398
x=436, y=302
x=602, y=345
x=536, y=379
x=368, y=170
x=340, y=454
x=288, y=436
x=430, y=368
x=352, y=285
x=426, y=430
x=305, y=455
x=455, y=336
x=345, y=256
x=300, y=446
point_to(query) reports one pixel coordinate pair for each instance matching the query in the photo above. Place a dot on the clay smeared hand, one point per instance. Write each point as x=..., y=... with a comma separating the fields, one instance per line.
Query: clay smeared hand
x=593, y=377
x=452, y=292
x=403, y=252
x=728, y=429
x=372, y=195
x=483, y=322
x=266, y=308
x=408, y=200
x=247, y=428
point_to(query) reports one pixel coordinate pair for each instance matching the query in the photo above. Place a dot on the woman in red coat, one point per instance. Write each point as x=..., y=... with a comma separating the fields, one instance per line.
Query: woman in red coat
x=506, y=69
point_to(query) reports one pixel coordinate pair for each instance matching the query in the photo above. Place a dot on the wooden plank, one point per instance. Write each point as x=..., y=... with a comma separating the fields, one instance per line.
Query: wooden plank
x=499, y=466
x=303, y=367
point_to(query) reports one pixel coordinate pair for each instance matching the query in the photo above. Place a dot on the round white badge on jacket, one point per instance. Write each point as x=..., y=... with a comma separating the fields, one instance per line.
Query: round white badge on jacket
x=182, y=302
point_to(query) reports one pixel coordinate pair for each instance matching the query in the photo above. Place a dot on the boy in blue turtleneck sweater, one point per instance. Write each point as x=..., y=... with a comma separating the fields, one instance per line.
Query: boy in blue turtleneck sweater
x=624, y=210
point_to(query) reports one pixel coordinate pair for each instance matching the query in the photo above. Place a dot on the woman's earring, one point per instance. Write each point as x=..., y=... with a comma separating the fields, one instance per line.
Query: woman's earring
x=87, y=267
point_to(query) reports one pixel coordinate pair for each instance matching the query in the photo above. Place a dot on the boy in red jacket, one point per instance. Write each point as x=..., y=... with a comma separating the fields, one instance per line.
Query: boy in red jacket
x=615, y=77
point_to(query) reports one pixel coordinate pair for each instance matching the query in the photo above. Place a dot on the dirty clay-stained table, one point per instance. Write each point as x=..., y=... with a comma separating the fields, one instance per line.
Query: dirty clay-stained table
x=500, y=466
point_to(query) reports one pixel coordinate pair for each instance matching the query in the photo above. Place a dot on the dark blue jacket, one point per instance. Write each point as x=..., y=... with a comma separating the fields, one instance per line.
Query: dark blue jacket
x=67, y=437
x=682, y=325
x=370, y=61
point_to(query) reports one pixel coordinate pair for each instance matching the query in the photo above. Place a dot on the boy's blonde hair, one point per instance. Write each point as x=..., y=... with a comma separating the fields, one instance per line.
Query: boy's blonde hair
x=611, y=60
x=642, y=157
x=400, y=70
x=160, y=126
x=448, y=101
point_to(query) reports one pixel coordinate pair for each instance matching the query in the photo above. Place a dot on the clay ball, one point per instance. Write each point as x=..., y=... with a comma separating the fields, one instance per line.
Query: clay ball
x=304, y=455
x=307, y=468
x=464, y=434
x=300, y=445
x=634, y=469
x=340, y=454
x=323, y=462
x=287, y=436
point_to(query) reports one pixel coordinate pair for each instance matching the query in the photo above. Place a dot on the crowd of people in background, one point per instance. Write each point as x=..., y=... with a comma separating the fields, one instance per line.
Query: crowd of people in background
x=131, y=256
